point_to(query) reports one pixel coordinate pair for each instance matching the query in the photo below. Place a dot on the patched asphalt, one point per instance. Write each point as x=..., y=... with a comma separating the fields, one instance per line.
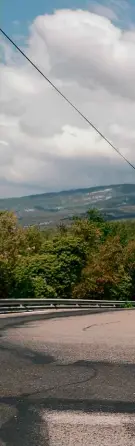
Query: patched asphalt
x=68, y=375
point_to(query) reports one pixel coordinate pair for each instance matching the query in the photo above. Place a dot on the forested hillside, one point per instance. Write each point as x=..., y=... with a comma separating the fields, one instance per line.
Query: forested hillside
x=116, y=201
x=92, y=258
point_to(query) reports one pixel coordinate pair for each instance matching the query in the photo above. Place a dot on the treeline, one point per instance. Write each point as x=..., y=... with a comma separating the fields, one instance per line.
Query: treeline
x=92, y=259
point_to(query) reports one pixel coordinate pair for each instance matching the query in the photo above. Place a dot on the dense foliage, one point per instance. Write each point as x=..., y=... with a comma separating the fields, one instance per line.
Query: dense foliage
x=92, y=258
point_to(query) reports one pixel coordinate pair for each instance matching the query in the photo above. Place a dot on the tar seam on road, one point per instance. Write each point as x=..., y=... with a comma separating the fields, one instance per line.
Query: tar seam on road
x=99, y=325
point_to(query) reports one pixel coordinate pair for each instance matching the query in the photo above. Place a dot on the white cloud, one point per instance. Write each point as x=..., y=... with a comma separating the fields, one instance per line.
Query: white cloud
x=3, y=143
x=44, y=144
x=121, y=12
x=103, y=10
x=119, y=4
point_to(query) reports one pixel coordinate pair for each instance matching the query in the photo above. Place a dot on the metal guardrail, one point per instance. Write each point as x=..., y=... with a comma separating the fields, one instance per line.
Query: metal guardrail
x=21, y=305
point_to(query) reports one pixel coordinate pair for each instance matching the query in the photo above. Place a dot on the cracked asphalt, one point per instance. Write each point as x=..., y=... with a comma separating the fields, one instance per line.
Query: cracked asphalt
x=68, y=380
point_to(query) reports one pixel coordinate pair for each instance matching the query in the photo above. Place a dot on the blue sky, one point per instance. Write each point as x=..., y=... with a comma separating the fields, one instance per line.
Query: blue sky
x=24, y=11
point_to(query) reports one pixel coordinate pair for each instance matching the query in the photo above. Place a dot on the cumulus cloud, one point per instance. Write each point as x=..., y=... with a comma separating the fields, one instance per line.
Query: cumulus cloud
x=44, y=144
x=119, y=11
x=104, y=10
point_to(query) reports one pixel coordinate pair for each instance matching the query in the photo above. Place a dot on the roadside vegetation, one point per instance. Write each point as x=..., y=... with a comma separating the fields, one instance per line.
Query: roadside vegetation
x=92, y=258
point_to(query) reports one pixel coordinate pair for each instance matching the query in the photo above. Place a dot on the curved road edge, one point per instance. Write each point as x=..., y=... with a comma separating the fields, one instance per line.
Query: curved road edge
x=11, y=319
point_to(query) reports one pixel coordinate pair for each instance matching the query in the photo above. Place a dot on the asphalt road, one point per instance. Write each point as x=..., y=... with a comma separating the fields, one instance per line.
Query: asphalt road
x=68, y=381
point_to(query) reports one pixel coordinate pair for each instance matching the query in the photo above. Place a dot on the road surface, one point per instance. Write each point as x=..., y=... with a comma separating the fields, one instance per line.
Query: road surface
x=68, y=381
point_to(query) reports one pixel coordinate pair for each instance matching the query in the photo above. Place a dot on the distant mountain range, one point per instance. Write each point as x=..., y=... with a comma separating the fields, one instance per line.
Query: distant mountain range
x=116, y=201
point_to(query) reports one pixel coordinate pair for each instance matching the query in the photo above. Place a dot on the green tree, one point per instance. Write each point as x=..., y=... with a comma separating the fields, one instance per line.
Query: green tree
x=105, y=277
x=34, y=239
x=6, y=278
x=12, y=237
x=96, y=216
x=34, y=277
x=91, y=258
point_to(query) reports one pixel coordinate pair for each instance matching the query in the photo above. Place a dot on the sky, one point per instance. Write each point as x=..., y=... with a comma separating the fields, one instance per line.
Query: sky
x=87, y=48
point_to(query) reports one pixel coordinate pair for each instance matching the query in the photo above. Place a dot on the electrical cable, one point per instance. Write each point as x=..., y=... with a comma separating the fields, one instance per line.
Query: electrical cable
x=66, y=99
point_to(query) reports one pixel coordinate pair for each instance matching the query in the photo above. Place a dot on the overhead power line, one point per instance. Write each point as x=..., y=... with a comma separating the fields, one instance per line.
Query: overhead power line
x=66, y=99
